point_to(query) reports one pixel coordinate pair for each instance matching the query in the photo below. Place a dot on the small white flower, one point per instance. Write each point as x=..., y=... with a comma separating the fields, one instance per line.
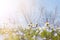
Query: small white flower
x=34, y=37
x=39, y=28
x=40, y=31
x=55, y=34
x=44, y=38
x=21, y=33
x=37, y=31
x=44, y=28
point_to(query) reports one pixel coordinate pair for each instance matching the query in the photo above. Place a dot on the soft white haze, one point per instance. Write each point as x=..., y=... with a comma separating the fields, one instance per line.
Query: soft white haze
x=13, y=9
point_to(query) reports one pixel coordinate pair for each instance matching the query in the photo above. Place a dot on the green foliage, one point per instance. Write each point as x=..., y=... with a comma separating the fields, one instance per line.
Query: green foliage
x=32, y=34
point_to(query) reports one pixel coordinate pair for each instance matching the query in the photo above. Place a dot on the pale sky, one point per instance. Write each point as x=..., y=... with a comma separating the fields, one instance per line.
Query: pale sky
x=13, y=9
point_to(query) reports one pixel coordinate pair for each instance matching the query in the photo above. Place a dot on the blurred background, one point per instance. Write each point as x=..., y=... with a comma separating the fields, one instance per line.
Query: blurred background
x=22, y=12
x=16, y=9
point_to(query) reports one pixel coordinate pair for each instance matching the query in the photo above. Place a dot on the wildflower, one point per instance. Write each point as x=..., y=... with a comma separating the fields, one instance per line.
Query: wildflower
x=21, y=33
x=40, y=32
x=44, y=28
x=55, y=34
x=47, y=24
x=34, y=37
x=39, y=28
x=44, y=38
